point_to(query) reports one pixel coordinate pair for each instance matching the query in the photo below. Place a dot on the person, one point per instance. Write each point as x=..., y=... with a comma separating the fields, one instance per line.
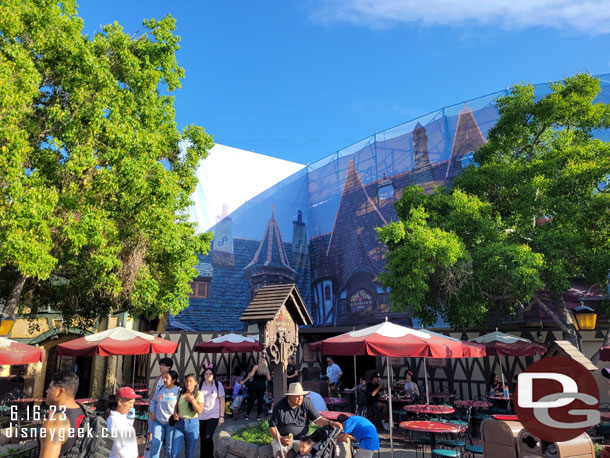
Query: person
x=373, y=389
x=124, y=439
x=162, y=407
x=213, y=413
x=334, y=374
x=318, y=401
x=292, y=372
x=410, y=385
x=257, y=386
x=362, y=430
x=305, y=445
x=188, y=407
x=165, y=365
x=494, y=387
x=239, y=394
x=291, y=418
x=69, y=415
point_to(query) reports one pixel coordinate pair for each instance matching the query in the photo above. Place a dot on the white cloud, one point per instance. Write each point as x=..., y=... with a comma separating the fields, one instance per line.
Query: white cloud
x=587, y=16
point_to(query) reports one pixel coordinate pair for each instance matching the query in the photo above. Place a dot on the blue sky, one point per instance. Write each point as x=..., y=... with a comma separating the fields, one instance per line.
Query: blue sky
x=300, y=80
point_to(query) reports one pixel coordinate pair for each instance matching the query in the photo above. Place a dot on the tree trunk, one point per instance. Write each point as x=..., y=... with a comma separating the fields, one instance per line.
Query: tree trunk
x=562, y=318
x=12, y=304
x=570, y=333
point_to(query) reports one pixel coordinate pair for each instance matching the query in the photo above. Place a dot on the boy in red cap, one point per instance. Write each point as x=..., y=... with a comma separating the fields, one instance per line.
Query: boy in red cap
x=124, y=439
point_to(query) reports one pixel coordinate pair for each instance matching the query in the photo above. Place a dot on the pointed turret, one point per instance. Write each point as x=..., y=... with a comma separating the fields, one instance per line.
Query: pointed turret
x=270, y=265
x=353, y=245
x=299, y=240
x=468, y=138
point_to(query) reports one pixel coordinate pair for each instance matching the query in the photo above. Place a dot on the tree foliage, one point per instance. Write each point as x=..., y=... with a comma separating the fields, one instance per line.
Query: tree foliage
x=528, y=218
x=93, y=185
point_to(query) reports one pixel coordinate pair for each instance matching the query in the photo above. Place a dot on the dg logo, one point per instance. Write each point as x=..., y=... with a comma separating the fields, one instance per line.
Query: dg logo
x=557, y=399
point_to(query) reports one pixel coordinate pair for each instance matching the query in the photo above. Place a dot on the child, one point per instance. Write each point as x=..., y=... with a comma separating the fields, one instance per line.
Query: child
x=239, y=393
x=305, y=446
x=268, y=400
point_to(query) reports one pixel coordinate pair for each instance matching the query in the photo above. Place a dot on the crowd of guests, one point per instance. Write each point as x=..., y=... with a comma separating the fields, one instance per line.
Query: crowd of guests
x=183, y=411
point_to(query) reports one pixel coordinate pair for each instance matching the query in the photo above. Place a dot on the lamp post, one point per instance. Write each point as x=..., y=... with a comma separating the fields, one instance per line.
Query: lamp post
x=586, y=317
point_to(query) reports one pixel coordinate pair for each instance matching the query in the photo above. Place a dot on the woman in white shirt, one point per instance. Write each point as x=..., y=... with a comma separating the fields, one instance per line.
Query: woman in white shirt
x=124, y=439
x=213, y=413
x=162, y=407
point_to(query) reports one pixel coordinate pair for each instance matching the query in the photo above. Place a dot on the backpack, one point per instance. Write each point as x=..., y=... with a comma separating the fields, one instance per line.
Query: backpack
x=95, y=442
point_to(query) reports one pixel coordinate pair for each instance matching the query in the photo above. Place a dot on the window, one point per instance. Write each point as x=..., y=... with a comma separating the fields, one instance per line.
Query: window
x=327, y=293
x=200, y=289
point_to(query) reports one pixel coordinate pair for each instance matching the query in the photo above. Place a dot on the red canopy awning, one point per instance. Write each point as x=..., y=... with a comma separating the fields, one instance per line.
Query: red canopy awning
x=116, y=341
x=16, y=353
x=230, y=343
x=502, y=344
x=389, y=339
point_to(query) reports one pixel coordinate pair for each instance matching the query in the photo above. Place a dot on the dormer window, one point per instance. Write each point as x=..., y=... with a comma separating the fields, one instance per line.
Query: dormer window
x=199, y=289
x=385, y=189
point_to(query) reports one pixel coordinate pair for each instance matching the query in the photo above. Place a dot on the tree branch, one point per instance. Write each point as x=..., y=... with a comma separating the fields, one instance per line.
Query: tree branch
x=550, y=313
x=496, y=298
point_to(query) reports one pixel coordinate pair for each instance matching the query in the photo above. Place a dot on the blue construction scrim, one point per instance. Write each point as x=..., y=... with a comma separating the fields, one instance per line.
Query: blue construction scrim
x=316, y=228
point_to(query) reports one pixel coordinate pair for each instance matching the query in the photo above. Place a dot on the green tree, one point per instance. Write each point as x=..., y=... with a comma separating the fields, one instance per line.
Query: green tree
x=93, y=185
x=531, y=216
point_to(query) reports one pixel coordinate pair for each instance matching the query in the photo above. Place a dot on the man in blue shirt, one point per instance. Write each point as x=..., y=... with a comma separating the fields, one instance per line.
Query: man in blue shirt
x=362, y=430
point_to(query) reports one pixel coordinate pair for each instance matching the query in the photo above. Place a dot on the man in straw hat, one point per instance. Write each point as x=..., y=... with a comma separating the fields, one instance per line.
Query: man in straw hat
x=291, y=418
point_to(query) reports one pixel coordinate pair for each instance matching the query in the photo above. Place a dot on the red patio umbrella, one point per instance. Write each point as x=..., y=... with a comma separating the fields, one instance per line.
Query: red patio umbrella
x=394, y=341
x=116, y=341
x=16, y=353
x=502, y=344
x=604, y=353
x=230, y=343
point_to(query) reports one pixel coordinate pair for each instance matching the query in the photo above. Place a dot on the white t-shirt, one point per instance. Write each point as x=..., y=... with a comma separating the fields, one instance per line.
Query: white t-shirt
x=124, y=439
x=211, y=400
x=333, y=372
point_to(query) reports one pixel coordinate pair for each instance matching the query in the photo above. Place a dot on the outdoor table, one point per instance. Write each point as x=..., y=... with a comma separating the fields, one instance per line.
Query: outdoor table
x=336, y=403
x=397, y=399
x=141, y=390
x=333, y=415
x=505, y=417
x=473, y=404
x=428, y=409
x=432, y=428
x=501, y=402
x=87, y=400
x=142, y=402
x=605, y=415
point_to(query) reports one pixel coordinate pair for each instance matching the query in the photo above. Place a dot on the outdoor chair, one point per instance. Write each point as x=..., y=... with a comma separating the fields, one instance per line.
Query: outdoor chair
x=446, y=453
x=603, y=430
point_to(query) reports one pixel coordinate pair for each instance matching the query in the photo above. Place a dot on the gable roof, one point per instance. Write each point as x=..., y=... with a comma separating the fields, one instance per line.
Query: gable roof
x=270, y=299
x=565, y=348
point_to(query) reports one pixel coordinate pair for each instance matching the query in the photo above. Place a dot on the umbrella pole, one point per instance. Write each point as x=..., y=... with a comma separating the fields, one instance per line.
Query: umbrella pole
x=355, y=384
x=390, y=401
x=133, y=371
x=426, y=377
x=501, y=372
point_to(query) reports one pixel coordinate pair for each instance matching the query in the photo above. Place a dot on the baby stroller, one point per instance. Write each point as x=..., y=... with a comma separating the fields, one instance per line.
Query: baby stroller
x=326, y=438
